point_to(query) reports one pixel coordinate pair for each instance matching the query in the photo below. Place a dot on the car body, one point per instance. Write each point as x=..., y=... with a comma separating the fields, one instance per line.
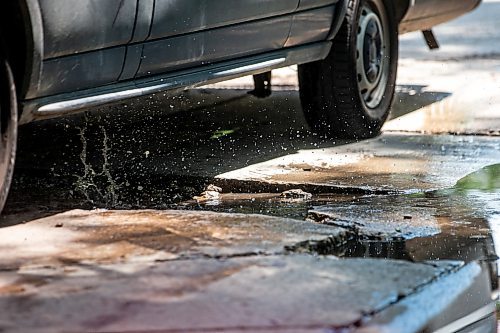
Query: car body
x=69, y=55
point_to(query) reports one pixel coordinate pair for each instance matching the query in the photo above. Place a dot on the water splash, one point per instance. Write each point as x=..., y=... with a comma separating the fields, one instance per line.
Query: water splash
x=97, y=186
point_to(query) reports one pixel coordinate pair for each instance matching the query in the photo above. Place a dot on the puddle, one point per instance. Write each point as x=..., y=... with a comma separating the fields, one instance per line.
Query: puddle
x=272, y=204
x=460, y=223
x=454, y=224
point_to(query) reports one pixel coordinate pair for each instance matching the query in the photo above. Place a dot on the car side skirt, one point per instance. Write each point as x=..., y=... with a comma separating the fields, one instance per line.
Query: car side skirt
x=69, y=103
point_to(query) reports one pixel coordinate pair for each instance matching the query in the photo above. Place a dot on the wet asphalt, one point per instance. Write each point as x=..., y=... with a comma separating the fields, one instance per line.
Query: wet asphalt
x=124, y=187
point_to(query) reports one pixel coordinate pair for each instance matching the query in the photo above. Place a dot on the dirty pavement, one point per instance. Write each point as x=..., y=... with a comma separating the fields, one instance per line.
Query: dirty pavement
x=215, y=211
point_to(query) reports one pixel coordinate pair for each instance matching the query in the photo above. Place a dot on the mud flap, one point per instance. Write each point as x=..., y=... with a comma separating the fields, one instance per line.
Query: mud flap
x=430, y=39
x=262, y=85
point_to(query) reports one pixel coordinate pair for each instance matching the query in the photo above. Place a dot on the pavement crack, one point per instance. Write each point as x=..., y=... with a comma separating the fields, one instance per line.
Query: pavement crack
x=242, y=255
x=256, y=186
x=325, y=219
x=207, y=256
x=333, y=245
x=274, y=328
x=452, y=268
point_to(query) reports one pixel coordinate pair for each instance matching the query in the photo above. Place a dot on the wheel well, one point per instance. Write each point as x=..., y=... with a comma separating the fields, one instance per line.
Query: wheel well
x=15, y=31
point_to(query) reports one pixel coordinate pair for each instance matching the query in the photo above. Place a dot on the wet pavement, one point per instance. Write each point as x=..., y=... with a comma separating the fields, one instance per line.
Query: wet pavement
x=216, y=211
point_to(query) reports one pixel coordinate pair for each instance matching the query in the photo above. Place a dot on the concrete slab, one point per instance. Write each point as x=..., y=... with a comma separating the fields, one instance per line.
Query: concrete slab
x=453, y=298
x=118, y=271
x=447, y=224
x=379, y=222
x=255, y=293
x=109, y=236
x=466, y=97
x=392, y=162
x=433, y=214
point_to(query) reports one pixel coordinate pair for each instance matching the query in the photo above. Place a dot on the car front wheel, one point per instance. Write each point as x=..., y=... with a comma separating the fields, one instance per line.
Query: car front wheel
x=8, y=128
x=349, y=94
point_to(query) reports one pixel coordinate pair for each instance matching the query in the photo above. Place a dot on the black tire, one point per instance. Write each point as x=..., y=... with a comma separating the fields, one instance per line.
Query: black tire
x=334, y=103
x=8, y=128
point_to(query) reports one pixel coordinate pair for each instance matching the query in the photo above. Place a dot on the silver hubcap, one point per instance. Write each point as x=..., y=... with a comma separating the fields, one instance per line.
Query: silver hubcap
x=372, y=63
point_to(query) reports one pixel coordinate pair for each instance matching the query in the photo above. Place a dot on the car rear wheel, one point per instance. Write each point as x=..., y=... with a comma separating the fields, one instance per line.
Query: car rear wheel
x=349, y=94
x=8, y=128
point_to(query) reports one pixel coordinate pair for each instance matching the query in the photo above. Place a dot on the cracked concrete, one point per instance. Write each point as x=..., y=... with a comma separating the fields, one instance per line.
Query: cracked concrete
x=393, y=238
x=392, y=162
x=85, y=259
x=204, y=295
x=110, y=236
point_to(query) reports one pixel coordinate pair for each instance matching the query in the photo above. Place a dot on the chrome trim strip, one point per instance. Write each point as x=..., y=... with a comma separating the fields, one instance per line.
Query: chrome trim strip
x=91, y=101
x=470, y=319
x=251, y=68
x=85, y=102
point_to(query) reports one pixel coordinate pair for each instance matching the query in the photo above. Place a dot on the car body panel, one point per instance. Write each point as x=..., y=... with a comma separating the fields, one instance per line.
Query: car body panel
x=143, y=20
x=75, y=26
x=214, y=45
x=425, y=14
x=430, y=8
x=81, y=71
x=311, y=26
x=308, y=4
x=83, y=43
x=176, y=17
x=194, y=32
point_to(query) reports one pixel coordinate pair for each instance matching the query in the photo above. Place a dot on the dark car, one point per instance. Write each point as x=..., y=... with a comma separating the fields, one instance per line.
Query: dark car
x=58, y=57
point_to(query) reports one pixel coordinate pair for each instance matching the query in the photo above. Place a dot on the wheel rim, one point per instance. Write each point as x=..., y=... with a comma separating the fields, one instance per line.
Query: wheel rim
x=372, y=58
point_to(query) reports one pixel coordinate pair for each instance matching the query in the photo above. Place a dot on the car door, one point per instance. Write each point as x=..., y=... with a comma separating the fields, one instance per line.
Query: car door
x=84, y=42
x=188, y=33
